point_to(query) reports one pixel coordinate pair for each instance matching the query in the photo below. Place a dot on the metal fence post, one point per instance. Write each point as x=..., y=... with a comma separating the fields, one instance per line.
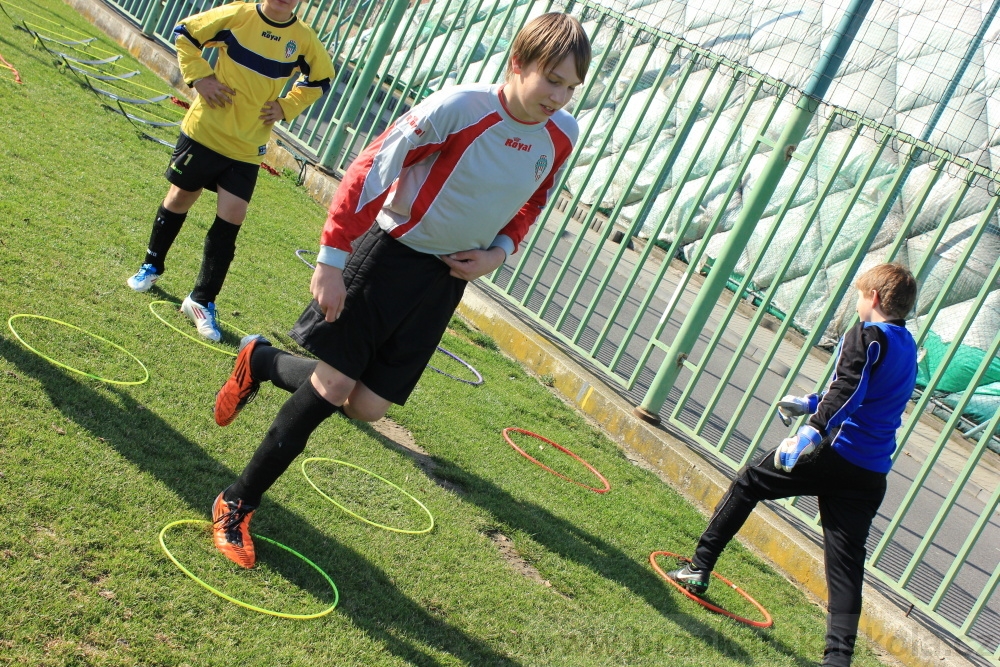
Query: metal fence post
x=356, y=97
x=152, y=18
x=781, y=154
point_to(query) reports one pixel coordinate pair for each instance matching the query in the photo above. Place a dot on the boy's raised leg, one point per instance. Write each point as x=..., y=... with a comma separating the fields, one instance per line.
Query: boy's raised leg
x=256, y=362
x=242, y=385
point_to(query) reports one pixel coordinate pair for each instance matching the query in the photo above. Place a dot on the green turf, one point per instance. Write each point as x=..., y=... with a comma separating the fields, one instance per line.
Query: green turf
x=90, y=472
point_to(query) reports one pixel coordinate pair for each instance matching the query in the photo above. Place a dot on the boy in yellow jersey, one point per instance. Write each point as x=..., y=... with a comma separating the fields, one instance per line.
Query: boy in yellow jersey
x=224, y=134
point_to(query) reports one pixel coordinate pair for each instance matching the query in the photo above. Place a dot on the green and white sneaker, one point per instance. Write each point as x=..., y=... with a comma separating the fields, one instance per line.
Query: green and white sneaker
x=203, y=318
x=692, y=579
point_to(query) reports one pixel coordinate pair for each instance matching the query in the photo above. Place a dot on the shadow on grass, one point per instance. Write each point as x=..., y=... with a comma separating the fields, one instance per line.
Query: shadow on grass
x=153, y=445
x=573, y=544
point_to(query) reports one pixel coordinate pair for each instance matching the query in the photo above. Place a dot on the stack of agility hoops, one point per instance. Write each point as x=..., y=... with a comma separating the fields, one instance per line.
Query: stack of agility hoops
x=156, y=115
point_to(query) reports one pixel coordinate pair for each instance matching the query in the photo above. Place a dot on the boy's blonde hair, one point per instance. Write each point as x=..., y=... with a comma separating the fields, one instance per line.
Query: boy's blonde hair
x=547, y=40
x=896, y=287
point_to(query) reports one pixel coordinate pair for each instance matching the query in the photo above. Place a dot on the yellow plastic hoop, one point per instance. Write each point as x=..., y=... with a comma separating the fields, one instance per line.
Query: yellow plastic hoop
x=280, y=614
x=10, y=325
x=187, y=335
x=358, y=516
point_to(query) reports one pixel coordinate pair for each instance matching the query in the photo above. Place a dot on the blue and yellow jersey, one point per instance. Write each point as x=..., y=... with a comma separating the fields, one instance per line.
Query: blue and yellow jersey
x=257, y=57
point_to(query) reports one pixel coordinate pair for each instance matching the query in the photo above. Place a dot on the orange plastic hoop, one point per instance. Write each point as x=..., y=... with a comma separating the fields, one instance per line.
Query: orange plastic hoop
x=766, y=623
x=607, y=486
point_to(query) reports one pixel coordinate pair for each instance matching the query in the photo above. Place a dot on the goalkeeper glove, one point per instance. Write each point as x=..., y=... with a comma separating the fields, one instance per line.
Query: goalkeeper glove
x=791, y=449
x=796, y=406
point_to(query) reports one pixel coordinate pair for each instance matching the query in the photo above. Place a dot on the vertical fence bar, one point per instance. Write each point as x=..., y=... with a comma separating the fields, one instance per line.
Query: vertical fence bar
x=803, y=114
x=575, y=246
x=767, y=298
x=977, y=529
x=392, y=83
x=671, y=252
x=963, y=329
x=591, y=261
x=623, y=245
x=932, y=530
x=357, y=96
x=731, y=140
x=149, y=21
x=332, y=102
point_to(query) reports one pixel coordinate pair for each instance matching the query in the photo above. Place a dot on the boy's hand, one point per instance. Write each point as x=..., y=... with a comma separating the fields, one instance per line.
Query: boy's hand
x=471, y=264
x=327, y=287
x=216, y=93
x=792, y=449
x=796, y=406
x=271, y=113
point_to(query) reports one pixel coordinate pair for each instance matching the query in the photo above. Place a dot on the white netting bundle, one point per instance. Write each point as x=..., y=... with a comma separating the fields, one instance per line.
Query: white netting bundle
x=669, y=138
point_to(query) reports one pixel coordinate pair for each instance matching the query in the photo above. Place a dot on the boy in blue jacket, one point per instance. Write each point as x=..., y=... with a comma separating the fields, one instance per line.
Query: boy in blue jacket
x=842, y=454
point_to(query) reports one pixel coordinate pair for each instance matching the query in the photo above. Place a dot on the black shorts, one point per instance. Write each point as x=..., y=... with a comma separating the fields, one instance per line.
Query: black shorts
x=194, y=166
x=399, y=302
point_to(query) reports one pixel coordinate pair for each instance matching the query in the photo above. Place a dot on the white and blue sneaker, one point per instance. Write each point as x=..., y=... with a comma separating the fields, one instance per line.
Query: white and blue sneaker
x=144, y=278
x=203, y=318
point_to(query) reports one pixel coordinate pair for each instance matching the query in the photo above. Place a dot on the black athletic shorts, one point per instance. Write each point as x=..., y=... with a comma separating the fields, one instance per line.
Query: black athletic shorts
x=194, y=166
x=399, y=303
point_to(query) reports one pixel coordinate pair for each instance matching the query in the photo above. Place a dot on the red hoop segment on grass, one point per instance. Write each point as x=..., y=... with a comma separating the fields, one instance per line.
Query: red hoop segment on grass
x=607, y=487
x=17, y=75
x=766, y=623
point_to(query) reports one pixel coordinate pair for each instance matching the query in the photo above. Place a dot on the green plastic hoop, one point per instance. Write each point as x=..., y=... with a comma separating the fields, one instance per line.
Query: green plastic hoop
x=280, y=614
x=187, y=335
x=10, y=325
x=358, y=516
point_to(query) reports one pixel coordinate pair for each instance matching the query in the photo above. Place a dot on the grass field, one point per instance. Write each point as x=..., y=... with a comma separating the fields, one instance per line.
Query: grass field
x=521, y=568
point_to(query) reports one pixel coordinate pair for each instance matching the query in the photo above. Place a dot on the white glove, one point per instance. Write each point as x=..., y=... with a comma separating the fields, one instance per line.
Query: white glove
x=791, y=449
x=796, y=406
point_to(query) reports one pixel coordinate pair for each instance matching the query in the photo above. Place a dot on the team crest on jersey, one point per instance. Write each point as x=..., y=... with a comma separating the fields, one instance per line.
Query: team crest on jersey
x=290, y=48
x=262, y=150
x=540, y=166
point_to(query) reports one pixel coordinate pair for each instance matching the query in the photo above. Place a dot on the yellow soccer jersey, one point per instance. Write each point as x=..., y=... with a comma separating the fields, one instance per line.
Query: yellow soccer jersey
x=257, y=57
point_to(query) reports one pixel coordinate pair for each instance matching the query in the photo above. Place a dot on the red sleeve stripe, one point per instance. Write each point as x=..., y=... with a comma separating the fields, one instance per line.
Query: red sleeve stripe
x=451, y=151
x=365, y=161
x=563, y=147
x=373, y=152
x=347, y=217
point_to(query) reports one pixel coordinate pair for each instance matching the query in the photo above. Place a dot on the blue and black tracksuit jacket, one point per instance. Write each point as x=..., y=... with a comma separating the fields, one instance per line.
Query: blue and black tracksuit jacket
x=863, y=405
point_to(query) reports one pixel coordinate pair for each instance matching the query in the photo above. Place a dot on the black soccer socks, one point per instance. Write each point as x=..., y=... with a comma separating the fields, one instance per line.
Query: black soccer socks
x=282, y=369
x=301, y=414
x=220, y=248
x=166, y=226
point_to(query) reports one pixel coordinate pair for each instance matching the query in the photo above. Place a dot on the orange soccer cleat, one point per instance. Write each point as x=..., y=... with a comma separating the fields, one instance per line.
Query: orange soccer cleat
x=240, y=388
x=231, y=528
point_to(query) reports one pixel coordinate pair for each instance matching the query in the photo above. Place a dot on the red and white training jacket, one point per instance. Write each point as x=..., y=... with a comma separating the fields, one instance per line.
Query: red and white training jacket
x=457, y=172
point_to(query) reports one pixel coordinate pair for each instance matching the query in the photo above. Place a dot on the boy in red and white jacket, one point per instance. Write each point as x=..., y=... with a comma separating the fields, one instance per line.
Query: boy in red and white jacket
x=438, y=200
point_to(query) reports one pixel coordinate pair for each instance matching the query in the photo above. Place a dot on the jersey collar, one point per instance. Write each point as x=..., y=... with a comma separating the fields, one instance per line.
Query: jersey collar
x=506, y=110
x=275, y=24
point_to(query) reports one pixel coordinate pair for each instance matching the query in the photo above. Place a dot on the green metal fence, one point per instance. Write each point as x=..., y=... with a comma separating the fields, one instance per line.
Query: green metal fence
x=615, y=262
